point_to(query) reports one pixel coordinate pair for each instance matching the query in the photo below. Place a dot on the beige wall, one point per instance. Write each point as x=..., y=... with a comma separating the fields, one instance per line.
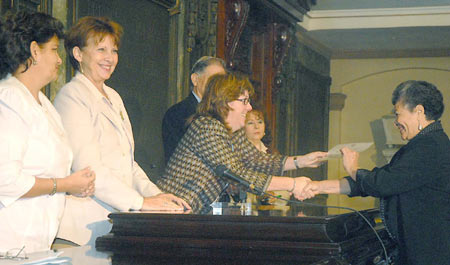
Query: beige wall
x=368, y=84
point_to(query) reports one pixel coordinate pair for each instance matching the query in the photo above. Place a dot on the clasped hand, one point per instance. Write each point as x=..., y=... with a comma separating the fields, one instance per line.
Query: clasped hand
x=304, y=188
x=81, y=183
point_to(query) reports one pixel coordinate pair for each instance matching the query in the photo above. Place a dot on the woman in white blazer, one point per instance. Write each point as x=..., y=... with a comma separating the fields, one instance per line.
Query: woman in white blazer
x=100, y=134
x=35, y=155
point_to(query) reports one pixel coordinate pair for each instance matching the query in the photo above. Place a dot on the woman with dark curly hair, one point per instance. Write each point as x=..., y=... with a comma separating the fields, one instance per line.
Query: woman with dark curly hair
x=35, y=155
x=414, y=187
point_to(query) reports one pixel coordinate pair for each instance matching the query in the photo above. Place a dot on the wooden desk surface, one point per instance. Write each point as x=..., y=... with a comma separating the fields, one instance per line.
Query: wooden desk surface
x=233, y=239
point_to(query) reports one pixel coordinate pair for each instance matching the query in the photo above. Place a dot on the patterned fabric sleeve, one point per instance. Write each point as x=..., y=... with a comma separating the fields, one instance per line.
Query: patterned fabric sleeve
x=270, y=164
x=190, y=171
x=216, y=147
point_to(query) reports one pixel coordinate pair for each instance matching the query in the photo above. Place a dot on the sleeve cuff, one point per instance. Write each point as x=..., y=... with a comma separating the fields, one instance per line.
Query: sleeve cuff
x=24, y=184
x=356, y=187
x=283, y=162
x=269, y=179
x=354, y=190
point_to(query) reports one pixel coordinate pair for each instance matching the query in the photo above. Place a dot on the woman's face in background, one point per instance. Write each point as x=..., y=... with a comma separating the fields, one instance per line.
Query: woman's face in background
x=98, y=60
x=254, y=126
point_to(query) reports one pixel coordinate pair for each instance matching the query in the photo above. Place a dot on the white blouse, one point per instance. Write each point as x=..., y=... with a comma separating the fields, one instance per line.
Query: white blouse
x=33, y=144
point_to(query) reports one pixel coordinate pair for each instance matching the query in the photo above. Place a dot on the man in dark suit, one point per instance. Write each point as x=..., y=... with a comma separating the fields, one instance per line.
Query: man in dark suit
x=174, y=122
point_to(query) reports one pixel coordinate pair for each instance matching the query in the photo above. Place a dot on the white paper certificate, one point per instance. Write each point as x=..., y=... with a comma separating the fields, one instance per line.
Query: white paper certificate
x=358, y=147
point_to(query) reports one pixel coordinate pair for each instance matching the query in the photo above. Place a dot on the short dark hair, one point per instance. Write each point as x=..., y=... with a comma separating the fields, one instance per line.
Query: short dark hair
x=87, y=27
x=18, y=31
x=412, y=93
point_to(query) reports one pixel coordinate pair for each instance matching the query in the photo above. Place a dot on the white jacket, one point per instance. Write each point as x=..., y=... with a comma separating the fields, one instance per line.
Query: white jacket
x=101, y=137
x=32, y=143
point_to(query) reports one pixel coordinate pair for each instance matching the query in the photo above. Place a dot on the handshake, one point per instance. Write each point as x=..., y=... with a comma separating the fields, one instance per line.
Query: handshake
x=304, y=188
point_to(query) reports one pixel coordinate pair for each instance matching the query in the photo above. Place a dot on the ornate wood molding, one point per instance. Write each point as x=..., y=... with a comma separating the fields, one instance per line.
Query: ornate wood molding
x=202, y=27
x=283, y=36
x=236, y=15
x=32, y=5
x=176, y=9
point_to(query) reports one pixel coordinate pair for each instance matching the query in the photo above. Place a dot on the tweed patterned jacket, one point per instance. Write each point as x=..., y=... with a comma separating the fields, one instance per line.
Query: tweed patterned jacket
x=207, y=144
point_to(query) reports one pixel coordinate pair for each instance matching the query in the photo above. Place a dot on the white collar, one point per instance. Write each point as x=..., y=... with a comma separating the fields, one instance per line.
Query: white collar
x=196, y=97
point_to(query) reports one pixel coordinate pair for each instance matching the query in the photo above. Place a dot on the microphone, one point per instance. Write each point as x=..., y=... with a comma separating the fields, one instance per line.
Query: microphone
x=224, y=172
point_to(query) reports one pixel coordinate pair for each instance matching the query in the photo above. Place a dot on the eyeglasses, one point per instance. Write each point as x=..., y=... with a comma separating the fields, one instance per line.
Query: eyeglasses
x=244, y=101
x=14, y=254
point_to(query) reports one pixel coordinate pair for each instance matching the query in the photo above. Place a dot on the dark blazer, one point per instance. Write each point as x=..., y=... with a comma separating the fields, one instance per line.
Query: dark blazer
x=206, y=145
x=174, y=123
x=415, y=197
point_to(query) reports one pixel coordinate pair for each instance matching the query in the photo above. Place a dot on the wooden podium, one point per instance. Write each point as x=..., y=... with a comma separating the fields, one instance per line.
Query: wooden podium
x=155, y=238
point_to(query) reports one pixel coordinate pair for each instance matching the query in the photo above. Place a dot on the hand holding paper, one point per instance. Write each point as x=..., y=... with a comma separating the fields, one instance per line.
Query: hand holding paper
x=335, y=152
x=350, y=161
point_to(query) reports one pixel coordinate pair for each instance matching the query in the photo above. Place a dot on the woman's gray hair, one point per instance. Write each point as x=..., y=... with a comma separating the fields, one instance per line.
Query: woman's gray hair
x=412, y=93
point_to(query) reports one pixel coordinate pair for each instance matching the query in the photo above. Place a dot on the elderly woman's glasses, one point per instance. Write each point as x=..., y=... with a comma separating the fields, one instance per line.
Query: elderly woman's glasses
x=244, y=101
x=14, y=254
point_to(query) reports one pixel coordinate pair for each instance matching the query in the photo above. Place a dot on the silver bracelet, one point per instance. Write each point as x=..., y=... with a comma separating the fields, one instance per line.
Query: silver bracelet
x=54, y=187
x=293, y=186
x=296, y=163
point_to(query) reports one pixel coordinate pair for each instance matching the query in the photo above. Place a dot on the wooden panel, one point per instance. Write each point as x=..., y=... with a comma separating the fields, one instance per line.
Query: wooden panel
x=32, y=5
x=144, y=238
x=328, y=229
x=141, y=76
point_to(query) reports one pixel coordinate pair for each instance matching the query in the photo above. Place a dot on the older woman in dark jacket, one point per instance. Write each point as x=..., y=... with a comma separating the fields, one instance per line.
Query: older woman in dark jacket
x=215, y=138
x=415, y=186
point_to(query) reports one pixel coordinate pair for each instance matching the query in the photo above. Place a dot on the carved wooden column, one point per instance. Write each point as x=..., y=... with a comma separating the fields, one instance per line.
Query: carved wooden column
x=33, y=5
x=232, y=18
x=269, y=49
x=193, y=34
x=176, y=53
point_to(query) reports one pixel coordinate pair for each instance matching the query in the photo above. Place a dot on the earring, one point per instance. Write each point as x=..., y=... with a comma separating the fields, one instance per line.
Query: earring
x=34, y=61
x=420, y=125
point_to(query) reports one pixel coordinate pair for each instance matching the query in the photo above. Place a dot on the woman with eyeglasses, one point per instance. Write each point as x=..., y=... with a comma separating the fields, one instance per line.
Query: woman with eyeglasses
x=215, y=138
x=35, y=154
